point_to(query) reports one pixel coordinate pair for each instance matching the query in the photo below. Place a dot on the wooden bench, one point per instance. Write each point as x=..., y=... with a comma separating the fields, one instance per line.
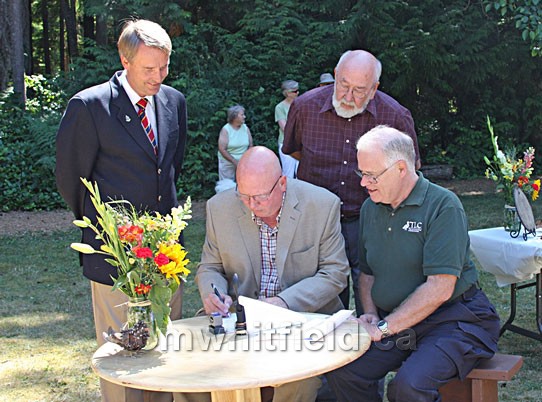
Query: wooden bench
x=481, y=383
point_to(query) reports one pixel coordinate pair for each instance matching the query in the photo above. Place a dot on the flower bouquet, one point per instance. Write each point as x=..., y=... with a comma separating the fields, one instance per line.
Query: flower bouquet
x=509, y=171
x=145, y=250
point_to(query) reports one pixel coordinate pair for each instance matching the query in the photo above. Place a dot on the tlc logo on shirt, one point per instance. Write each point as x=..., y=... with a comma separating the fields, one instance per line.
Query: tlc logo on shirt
x=412, y=226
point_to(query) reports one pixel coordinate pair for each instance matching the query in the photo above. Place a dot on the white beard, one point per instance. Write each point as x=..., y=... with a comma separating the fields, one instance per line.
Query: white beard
x=347, y=113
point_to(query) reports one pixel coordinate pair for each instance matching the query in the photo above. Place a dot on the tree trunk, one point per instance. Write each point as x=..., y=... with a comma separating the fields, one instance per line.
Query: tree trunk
x=62, y=41
x=45, y=37
x=17, y=35
x=101, y=30
x=27, y=35
x=5, y=44
x=72, y=30
x=88, y=27
x=71, y=27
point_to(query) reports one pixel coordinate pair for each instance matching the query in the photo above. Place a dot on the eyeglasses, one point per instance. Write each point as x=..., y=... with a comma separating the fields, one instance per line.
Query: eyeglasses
x=371, y=178
x=258, y=197
x=356, y=93
x=294, y=91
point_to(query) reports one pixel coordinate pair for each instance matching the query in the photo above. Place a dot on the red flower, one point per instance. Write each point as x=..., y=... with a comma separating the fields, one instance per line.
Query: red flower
x=536, y=186
x=522, y=180
x=130, y=233
x=143, y=289
x=161, y=259
x=142, y=252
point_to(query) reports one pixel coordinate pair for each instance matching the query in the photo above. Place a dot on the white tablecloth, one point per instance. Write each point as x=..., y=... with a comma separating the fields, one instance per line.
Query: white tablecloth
x=510, y=260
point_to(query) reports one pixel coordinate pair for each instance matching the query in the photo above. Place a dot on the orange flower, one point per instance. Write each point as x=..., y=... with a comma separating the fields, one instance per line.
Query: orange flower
x=522, y=180
x=142, y=289
x=130, y=233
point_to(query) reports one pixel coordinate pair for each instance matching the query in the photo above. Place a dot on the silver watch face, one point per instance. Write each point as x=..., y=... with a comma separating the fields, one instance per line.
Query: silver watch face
x=383, y=326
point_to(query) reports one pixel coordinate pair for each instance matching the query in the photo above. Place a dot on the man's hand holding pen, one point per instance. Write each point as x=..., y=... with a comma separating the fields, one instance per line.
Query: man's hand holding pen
x=217, y=302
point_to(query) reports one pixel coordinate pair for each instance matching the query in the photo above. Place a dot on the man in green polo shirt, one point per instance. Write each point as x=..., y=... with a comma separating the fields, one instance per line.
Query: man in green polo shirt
x=422, y=305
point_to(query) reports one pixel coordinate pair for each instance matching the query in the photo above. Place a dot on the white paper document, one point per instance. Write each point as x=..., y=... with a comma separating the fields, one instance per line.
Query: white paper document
x=263, y=318
x=261, y=315
x=318, y=328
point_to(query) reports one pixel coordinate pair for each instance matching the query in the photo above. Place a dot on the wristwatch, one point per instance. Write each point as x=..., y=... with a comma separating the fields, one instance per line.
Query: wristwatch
x=382, y=325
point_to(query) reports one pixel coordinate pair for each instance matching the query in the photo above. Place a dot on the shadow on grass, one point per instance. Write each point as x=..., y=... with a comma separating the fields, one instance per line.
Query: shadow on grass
x=45, y=383
x=60, y=329
x=45, y=310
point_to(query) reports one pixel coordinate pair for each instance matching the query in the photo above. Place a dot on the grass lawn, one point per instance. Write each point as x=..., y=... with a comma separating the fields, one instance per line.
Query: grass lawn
x=47, y=333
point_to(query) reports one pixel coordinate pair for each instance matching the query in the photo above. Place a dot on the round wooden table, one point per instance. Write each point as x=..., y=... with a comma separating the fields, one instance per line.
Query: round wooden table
x=231, y=368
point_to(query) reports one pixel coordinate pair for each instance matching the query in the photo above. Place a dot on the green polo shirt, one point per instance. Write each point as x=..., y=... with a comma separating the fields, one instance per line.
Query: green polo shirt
x=426, y=235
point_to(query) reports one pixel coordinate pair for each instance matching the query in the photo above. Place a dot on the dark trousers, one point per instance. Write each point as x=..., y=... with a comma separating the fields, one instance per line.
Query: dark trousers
x=350, y=232
x=447, y=344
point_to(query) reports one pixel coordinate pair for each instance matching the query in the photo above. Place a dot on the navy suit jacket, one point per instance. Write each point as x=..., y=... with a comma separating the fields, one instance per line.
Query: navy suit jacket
x=101, y=138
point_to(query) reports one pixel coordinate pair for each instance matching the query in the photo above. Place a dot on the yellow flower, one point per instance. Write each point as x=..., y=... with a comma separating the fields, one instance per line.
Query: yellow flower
x=536, y=189
x=174, y=269
x=177, y=266
x=172, y=251
x=181, y=267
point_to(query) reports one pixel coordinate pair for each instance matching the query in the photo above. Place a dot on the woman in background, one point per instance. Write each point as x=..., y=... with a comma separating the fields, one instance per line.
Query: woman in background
x=290, y=90
x=233, y=141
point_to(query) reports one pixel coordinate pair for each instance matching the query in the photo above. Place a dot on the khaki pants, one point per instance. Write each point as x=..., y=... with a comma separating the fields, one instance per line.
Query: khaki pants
x=226, y=170
x=298, y=391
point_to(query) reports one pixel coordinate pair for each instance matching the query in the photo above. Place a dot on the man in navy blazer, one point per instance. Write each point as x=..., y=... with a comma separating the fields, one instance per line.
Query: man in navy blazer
x=102, y=138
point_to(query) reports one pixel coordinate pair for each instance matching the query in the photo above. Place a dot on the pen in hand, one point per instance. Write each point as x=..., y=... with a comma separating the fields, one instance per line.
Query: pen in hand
x=220, y=297
x=217, y=293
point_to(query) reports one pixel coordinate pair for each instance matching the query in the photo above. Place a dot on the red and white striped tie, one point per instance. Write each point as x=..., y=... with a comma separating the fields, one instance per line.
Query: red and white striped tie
x=142, y=104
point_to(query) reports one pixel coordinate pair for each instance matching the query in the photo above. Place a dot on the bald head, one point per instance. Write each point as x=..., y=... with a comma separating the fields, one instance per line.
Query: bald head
x=360, y=61
x=260, y=185
x=258, y=162
x=357, y=78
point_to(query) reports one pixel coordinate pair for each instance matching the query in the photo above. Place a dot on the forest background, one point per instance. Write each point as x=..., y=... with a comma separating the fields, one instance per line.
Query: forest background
x=452, y=63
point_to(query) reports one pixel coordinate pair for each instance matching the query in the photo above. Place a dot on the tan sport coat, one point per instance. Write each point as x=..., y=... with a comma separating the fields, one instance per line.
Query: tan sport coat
x=311, y=259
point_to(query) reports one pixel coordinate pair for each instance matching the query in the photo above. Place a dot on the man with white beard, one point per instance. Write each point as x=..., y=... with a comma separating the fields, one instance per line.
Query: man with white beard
x=322, y=129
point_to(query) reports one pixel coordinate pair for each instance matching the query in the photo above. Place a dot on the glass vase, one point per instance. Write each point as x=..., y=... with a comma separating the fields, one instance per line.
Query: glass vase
x=511, y=220
x=140, y=319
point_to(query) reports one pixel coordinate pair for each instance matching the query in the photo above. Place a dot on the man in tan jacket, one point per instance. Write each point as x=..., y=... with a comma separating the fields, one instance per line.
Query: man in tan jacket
x=283, y=239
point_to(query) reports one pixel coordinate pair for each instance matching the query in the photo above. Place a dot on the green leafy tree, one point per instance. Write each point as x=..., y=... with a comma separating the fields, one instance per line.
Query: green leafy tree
x=449, y=63
x=526, y=15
